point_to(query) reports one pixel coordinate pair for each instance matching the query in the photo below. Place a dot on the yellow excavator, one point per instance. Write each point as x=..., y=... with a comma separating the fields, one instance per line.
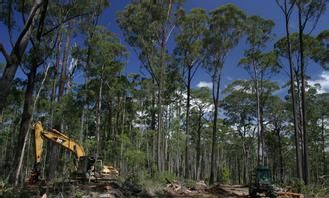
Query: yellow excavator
x=85, y=165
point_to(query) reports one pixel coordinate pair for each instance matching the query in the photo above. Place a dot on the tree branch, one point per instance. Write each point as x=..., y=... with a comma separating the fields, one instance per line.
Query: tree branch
x=42, y=20
x=29, y=21
x=63, y=22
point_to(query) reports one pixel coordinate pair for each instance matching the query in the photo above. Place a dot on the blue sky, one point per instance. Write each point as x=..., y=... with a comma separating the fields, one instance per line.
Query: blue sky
x=264, y=8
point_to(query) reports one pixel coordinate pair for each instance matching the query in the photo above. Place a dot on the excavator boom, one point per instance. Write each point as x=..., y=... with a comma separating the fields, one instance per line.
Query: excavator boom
x=56, y=137
x=83, y=163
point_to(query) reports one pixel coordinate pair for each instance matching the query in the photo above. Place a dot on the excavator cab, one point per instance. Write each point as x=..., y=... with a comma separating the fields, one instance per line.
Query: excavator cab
x=85, y=169
x=84, y=164
x=261, y=182
x=263, y=176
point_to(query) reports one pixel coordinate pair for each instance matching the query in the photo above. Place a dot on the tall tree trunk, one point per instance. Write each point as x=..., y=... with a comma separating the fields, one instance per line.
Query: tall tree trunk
x=304, y=120
x=63, y=79
x=159, y=128
x=110, y=122
x=198, y=148
x=293, y=95
x=260, y=157
x=214, y=130
x=25, y=121
x=160, y=155
x=98, y=114
x=27, y=125
x=52, y=156
x=153, y=127
x=262, y=133
x=280, y=155
x=54, y=83
x=187, y=122
x=323, y=137
x=10, y=151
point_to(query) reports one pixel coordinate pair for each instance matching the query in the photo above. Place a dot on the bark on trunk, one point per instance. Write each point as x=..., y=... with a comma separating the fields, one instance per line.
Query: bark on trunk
x=304, y=120
x=52, y=156
x=63, y=79
x=280, y=155
x=214, y=131
x=98, y=114
x=15, y=57
x=26, y=118
x=198, y=149
x=187, y=122
x=54, y=83
x=323, y=146
x=293, y=95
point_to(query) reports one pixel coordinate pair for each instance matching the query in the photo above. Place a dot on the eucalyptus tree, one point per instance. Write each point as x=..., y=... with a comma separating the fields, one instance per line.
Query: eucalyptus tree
x=33, y=20
x=69, y=17
x=287, y=7
x=189, y=54
x=39, y=17
x=317, y=108
x=201, y=106
x=239, y=108
x=147, y=27
x=308, y=11
x=311, y=51
x=278, y=115
x=238, y=105
x=322, y=106
x=224, y=32
x=10, y=123
x=259, y=65
x=106, y=61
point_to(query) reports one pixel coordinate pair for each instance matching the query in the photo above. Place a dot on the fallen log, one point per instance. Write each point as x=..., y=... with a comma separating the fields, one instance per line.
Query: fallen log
x=229, y=191
x=290, y=195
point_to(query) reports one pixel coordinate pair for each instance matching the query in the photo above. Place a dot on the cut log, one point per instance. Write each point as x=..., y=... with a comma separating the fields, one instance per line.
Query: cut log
x=290, y=195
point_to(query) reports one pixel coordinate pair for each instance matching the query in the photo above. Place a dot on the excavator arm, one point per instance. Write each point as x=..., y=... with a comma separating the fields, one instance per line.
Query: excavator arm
x=57, y=137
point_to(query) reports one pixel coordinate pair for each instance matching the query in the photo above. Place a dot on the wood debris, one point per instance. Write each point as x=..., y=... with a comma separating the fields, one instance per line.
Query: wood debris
x=290, y=195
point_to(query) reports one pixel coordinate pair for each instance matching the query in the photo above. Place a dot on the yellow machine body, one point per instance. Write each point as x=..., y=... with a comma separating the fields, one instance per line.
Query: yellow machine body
x=57, y=137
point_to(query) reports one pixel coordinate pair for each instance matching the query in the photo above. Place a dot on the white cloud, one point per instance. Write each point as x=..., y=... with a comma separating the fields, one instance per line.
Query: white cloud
x=323, y=80
x=229, y=78
x=204, y=84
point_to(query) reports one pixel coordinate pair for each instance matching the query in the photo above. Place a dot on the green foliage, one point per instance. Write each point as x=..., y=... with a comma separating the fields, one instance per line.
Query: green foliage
x=296, y=184
x=135, y=158
x=105, y=50
x=256, y=62
x=312, y=46
x=316, y=191
x=162, y=176
x=225, y=30
x=322, y=55
x=146, y=27
x=258, y=31
x=224, y=175
x=189, y=41
x=90, y=145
